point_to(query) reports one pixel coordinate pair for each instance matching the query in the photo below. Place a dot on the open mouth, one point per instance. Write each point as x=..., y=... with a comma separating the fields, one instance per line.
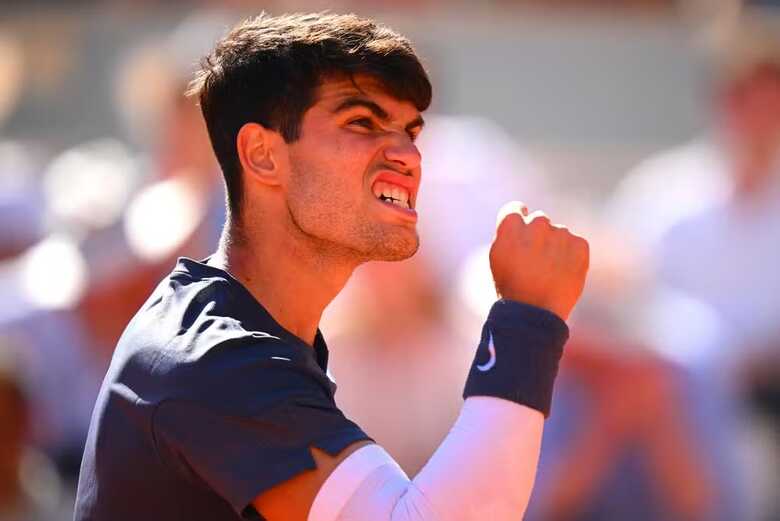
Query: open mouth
x=392, y=194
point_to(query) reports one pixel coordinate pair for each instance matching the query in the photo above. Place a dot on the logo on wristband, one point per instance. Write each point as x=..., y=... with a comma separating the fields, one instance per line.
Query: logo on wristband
x=487, y=366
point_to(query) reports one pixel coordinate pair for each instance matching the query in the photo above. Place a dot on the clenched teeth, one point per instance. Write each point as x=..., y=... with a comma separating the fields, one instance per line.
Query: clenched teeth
x=391, y=193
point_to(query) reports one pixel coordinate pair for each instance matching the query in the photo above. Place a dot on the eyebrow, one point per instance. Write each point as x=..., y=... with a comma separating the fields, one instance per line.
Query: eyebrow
x=376, y=110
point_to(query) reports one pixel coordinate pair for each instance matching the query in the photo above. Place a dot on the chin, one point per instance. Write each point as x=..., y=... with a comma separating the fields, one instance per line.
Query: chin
x=395, y=255
x=395, y=248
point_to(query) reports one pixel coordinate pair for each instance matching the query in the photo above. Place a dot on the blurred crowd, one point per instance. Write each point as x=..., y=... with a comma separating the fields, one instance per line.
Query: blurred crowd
x=667, y=405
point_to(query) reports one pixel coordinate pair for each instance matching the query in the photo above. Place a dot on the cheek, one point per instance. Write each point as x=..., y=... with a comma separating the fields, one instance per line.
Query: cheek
x=338, y=165
x=352, y=148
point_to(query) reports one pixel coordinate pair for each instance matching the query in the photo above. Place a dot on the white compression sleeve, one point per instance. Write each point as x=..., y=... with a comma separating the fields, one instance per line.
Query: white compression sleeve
x=484, y=469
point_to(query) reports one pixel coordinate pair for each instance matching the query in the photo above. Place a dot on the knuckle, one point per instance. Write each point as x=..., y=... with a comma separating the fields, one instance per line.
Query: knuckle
x=511, y=221
x=539, y=220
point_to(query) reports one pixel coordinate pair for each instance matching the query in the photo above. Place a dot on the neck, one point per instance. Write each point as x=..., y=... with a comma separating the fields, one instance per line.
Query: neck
x=294, y=281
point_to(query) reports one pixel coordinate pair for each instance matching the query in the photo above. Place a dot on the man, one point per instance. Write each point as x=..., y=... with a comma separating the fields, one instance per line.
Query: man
x=710, y=252
x=726, y=255
x=217, y=404
x=22, y=468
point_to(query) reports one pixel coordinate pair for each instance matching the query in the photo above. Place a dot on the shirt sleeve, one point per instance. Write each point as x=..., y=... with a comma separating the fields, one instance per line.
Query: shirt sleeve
x=250, y=425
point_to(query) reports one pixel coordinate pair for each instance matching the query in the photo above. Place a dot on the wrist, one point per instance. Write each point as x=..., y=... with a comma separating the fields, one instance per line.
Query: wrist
x=517, y=358
x=559, y=310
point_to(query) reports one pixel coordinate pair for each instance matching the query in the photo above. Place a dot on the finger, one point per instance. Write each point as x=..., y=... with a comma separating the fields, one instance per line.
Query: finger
x=512, y=207
x=538, y=217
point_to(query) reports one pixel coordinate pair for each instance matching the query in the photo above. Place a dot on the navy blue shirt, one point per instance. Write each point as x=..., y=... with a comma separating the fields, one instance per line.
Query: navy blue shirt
x=207, y=403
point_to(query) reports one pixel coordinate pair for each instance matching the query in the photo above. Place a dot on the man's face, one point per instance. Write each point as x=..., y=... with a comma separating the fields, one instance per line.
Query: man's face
x=355, y=171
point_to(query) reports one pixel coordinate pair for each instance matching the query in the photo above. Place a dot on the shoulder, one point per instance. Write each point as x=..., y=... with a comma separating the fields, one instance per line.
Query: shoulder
x=243, y=373
x=258, y=370
x=201, y=338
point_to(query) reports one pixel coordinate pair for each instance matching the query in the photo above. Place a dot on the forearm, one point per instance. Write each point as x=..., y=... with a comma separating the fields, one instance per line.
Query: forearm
x=485, y=467
x=495, y=442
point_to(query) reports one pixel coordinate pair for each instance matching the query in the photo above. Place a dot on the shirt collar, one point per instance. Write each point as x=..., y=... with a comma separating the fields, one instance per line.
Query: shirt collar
x=253, y=312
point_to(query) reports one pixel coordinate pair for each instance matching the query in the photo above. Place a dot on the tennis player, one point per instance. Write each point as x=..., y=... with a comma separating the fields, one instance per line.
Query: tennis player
x=217, y=405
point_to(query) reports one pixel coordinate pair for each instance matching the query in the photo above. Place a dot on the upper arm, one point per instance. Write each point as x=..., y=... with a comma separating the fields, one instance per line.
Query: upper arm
x=249, y=424
x=291, y=500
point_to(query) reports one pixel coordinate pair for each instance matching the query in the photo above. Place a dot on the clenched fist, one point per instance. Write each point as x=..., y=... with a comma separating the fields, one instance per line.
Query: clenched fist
x=536, y=262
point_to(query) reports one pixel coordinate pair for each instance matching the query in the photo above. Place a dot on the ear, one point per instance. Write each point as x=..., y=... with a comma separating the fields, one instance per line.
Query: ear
x=257, y=146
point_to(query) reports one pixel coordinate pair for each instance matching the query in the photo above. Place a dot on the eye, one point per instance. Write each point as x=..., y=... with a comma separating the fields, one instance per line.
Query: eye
x=364, y=122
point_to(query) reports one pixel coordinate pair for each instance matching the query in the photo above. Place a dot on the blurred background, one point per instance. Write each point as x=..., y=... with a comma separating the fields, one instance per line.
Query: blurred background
x=652, y=127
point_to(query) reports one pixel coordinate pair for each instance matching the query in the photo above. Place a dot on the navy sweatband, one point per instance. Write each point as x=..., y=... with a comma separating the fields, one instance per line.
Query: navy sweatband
x=517, y=358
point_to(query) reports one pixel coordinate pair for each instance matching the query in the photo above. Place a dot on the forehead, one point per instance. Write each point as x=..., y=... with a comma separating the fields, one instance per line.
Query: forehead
x=335, y=90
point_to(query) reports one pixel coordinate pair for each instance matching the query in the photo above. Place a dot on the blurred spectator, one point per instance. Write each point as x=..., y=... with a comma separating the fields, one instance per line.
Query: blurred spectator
x=181, y=209
x=20, y=201
x=628, y=440
x=20, y=197
x=40, y=276
x=727, y=255
x=104, y=225
x=11, y=74
x=712, y=210
x=29, y=487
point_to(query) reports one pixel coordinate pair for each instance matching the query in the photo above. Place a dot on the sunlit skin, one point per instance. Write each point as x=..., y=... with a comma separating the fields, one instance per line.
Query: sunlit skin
x=309, y=214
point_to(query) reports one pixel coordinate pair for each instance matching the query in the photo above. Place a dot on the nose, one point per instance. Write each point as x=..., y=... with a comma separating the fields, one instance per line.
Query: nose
x=403, y=153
